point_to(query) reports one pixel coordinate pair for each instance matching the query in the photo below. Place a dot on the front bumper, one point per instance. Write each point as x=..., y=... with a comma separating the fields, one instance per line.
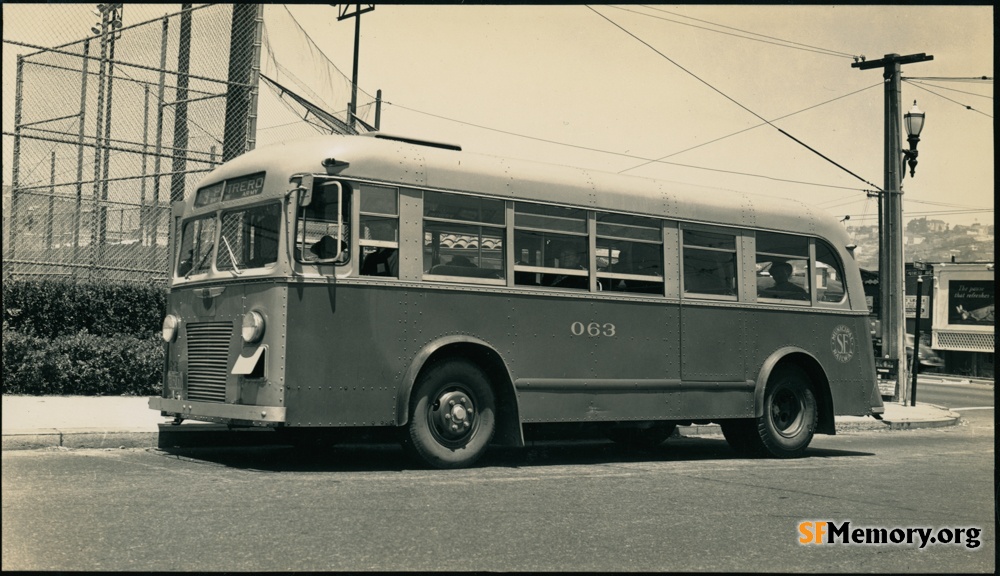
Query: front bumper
x=216, y=412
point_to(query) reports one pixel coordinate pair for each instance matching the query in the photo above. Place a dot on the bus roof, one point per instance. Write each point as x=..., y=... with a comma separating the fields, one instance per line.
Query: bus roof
x=417, y=163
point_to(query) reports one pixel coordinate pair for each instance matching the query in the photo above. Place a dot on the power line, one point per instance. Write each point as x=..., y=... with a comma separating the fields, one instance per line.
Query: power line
x=726, y=96
x=966, y=106
x=983, y=79
x=748, y=129
x=633, y=156
x=807, y=47
x=946, y=88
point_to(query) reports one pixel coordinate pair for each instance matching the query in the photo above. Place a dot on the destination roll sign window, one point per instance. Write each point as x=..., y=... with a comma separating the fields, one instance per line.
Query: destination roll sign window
x=232, y=189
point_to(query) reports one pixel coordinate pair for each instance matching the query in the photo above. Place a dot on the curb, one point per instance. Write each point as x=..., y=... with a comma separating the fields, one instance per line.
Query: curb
x=209, y=435
x=854, y=424
x=78, y=438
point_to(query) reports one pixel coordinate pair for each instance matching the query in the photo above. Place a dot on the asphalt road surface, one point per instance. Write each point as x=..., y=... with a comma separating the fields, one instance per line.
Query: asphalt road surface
x=689, y=505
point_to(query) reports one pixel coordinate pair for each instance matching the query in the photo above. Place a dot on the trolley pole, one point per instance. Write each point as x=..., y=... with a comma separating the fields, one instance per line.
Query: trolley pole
x=891, y=224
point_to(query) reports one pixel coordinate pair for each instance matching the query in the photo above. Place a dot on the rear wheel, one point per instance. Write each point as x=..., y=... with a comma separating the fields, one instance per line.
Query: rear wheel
x=788, y=423
x=789, y=420
x=452, y=415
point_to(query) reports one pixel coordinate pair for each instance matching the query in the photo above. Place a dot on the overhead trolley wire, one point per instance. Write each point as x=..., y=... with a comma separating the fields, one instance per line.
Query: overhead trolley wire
x=794, y=45
x=748, y=129
x=726, y=96
x=911, y=81
x=633, y=156
x=966, y=106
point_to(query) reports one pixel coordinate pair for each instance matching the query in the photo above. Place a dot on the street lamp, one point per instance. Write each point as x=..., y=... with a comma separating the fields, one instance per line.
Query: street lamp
x=914, y=121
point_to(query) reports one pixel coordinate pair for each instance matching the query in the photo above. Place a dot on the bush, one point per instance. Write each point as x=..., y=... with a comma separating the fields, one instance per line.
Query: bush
x=51, y=308
x=99, y=338
x=82, y=364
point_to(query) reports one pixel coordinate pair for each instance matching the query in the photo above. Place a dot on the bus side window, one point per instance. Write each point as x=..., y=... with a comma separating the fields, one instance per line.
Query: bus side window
x=320, y=219
x=709, y=263
x=830, y=286
x=378, y=236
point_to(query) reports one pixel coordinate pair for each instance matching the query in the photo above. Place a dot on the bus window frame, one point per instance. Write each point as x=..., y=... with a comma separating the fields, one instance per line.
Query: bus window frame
x=737, y=234
x=358, y=215
x=810, y=270
x=845, y=298
x=499, y=228
x=553, y=234
x=212, y=215
x=303, y=199
x=608, y=236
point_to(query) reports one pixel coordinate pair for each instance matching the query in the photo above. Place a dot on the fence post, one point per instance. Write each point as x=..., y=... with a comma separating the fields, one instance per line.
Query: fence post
x=16, y=165
x=98, y=149
x=52, y=199
x=180, y=143
x=255, y=79
x=159, y=133
x=81, y=135
x=145, y=154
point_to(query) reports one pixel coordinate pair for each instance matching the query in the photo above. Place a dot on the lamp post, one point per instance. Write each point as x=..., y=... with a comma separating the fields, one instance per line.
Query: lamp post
x=914, y=123
x=892, y=315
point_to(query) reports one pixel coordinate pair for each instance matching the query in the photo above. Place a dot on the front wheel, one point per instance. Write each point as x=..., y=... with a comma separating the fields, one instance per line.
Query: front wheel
x=452, y=415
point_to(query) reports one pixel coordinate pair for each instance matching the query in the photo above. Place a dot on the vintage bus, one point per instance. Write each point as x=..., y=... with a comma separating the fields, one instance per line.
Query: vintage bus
x=387, y=283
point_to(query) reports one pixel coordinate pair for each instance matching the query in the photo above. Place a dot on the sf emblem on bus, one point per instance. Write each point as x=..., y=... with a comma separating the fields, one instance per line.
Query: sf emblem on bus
x=842, y=343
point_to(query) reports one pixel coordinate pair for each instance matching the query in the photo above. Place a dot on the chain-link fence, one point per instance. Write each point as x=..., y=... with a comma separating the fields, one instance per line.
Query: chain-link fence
x=102, y=133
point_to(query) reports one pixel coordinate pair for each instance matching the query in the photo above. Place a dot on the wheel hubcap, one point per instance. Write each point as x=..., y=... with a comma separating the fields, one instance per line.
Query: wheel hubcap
x=453, y=416
x=786, y=412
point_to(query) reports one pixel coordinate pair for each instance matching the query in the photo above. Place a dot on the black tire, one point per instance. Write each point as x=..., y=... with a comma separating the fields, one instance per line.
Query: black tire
x=642, y=438
x=790, y=415
x=452, y=415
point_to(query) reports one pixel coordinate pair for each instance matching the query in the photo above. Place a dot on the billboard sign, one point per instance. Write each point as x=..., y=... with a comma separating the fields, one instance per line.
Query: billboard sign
x=970, y=302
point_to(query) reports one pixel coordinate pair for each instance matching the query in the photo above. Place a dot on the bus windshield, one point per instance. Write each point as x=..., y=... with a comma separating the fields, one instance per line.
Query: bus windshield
x=247, y=238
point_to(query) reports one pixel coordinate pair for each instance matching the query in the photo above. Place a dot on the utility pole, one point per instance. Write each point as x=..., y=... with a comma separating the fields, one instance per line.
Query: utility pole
x=344, y=14
x=891, y=222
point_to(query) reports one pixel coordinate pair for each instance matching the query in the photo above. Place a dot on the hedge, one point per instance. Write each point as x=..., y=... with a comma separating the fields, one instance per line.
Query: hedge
x=51, y=308
x=82, y=339
x=82, y=364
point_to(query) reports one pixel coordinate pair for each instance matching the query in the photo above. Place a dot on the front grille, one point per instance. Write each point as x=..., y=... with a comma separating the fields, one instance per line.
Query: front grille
x=208, y=360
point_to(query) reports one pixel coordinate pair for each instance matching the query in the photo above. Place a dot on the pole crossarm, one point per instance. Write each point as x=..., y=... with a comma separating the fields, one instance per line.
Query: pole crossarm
x=890, y=59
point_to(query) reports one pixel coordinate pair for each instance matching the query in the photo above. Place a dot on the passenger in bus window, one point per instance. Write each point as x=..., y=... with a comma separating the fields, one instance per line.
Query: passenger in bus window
x=327, y=247
x=380, y=262
x=460, y=260
x=783, y=288
x=568, y=258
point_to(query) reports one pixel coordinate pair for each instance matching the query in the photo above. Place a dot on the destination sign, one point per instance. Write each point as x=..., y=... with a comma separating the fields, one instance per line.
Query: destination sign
x=232, y=189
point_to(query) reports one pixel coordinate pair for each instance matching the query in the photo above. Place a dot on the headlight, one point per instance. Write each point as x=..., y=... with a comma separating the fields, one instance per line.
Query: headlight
x=253, y=326
x=170, y=325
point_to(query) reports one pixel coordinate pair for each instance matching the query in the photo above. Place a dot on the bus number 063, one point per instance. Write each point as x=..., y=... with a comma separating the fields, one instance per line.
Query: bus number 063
x=593, y=329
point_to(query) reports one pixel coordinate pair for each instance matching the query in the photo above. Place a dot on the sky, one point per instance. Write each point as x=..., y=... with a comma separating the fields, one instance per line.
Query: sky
x=612, y=87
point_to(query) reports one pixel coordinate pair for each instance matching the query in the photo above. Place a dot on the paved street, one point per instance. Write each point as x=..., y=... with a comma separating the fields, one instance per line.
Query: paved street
x=691, y=505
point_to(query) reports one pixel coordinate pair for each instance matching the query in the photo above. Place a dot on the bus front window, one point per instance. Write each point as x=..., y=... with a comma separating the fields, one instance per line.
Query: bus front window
x=249, y=238
x=197, y=242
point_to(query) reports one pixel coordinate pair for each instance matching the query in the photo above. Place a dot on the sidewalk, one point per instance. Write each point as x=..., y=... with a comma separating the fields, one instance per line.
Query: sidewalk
x=31, y=422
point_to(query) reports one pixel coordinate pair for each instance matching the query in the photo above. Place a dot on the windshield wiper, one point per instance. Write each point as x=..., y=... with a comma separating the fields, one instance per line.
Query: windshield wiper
x=232, y=257
x=208, y=252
